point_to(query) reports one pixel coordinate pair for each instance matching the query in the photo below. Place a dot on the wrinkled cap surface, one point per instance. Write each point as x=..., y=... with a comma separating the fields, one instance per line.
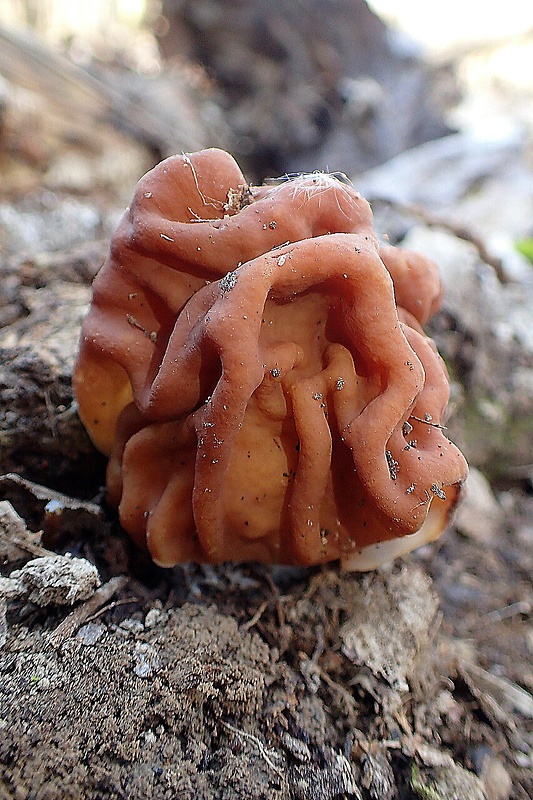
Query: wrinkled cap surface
x=253, y=364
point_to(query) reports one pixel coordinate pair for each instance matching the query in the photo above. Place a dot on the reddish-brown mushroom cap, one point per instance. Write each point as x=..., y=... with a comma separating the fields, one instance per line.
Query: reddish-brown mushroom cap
x=417, y=285
x=192, y=220
x=262, y=391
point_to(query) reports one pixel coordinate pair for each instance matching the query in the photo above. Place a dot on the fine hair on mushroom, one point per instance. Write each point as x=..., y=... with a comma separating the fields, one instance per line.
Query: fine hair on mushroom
x=254, y=365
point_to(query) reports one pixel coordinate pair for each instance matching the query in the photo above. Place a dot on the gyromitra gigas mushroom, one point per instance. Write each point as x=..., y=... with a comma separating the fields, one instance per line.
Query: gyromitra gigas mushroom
x=253, y=364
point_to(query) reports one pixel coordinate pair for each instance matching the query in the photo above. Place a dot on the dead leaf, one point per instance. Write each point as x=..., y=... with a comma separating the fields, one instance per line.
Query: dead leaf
x=16, y=541
x=498, y=697
x=390, y=622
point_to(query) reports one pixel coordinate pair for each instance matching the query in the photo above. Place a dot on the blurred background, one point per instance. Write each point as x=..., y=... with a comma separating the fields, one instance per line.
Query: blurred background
x=295, y=85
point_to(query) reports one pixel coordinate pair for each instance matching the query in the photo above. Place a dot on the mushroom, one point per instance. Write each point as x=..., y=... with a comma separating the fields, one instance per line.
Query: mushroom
x=253, y=364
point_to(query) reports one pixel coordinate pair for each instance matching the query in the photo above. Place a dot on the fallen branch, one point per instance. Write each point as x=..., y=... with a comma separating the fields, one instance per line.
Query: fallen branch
x=436, y=221
x=76, y=618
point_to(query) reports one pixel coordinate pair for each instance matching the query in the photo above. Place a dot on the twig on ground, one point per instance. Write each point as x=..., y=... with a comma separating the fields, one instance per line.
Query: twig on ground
x=76, y=618
x=256, y=617
x=258, y=743
x=435, y=221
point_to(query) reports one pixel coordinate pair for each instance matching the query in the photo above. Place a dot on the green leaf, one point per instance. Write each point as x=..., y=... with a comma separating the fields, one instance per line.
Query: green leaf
x=525, y=246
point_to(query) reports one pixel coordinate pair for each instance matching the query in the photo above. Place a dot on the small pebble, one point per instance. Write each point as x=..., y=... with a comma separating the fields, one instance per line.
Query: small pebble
x=153, y=617
x=90, y=633
x=147, y=661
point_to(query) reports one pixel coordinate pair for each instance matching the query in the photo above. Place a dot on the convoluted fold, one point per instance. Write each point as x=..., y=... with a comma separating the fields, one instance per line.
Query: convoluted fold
x=254, y=365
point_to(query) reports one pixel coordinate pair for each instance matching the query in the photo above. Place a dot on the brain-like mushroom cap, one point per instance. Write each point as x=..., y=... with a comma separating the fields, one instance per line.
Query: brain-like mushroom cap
x=254, y=365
